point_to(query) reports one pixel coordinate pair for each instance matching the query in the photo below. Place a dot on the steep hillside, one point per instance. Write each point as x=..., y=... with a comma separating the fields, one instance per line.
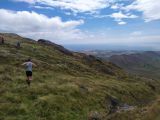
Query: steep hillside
x=146, y=64
x=66, y=85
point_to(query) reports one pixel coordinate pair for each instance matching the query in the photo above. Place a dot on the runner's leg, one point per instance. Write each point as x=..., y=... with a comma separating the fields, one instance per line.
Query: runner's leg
x=28, y=81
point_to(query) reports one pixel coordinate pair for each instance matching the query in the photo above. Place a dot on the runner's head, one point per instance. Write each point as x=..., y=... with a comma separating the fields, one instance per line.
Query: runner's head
x=29, y=60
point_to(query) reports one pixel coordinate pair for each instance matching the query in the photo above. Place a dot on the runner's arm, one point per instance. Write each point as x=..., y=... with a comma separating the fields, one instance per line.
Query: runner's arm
x=23, y=63
x=34, y=64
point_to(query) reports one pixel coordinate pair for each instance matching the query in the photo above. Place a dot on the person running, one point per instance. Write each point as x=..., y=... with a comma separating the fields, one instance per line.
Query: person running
x=29, y=64
x=18, y=45
x=1, y=40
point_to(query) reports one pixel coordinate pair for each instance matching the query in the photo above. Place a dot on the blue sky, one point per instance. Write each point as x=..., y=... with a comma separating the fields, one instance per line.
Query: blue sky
x=119, y=22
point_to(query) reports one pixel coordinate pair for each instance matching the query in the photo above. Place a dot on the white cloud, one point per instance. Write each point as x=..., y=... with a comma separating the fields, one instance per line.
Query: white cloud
x=28, y=1
x=136, y=33
x=119, y=16
x=122, y=23
x=77, y=6
x=117, y=6
x=149, y=8
x=34, y=25
x=40, y=7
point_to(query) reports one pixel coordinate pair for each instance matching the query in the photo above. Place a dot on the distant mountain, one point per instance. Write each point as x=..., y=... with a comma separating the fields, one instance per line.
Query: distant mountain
x=105, y=54
x=143, y=63
x=146, y=64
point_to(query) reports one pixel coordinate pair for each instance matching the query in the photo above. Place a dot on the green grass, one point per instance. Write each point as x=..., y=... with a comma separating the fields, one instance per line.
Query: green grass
x=63, y=87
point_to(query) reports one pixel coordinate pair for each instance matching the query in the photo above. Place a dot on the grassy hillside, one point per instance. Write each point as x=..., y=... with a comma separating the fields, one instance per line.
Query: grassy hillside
x=65, y=86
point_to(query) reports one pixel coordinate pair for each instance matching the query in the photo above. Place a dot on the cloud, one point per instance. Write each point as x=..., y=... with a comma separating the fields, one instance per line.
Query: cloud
x=136, y=33
x=28, y=1
x=34, y=25
x=149, y=8
x=117, y=6
x=41, y=7
x=76, y=6
x=122, y=23
x=119, y=16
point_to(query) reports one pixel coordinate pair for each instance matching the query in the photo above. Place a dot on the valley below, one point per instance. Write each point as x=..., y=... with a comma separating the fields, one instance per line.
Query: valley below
x=142, y=63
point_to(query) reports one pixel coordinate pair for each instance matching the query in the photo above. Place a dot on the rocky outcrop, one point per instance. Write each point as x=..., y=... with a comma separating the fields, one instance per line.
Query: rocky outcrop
x=58, y=47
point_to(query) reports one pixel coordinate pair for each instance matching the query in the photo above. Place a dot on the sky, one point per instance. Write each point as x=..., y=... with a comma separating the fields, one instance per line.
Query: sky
x=112, y=22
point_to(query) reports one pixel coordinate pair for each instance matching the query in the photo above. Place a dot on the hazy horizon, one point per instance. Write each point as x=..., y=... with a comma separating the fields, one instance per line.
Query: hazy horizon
x=109, y=47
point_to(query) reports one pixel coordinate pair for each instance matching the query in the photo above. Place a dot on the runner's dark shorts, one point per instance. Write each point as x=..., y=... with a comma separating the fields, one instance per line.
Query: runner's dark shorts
x=29, y=73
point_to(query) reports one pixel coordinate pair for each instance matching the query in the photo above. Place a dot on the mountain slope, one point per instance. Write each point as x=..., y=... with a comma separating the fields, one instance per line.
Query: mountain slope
x=65, y=86
x=146, y=64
